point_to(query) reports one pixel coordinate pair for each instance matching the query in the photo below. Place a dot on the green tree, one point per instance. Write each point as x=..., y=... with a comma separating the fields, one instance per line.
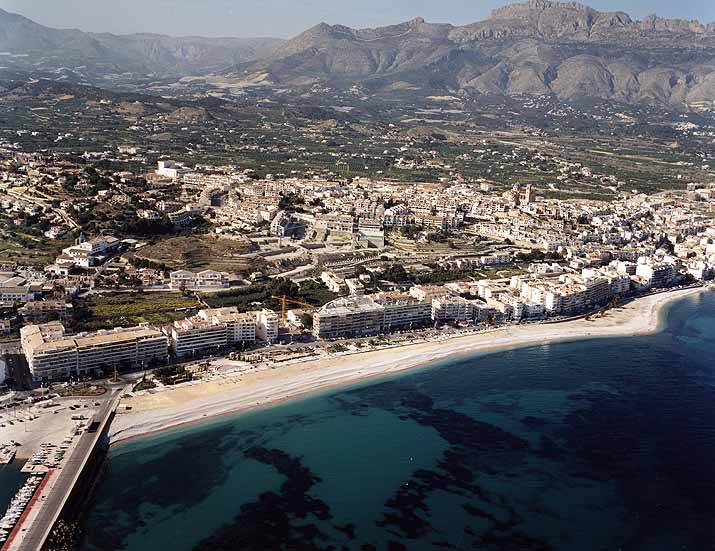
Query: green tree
x=281, y=286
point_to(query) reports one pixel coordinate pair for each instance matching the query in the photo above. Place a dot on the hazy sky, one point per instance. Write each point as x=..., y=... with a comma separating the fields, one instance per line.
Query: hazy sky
x=284, y=18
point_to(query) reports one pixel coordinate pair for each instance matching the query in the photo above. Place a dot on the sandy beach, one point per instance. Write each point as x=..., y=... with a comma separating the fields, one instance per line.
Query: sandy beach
x=157, y=411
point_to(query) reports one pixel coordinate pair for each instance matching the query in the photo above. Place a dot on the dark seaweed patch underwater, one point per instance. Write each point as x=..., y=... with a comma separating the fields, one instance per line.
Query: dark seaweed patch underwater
x=591, y=445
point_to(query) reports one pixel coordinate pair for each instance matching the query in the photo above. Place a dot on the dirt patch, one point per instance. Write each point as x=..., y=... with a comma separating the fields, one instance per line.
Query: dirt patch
x=202, y=253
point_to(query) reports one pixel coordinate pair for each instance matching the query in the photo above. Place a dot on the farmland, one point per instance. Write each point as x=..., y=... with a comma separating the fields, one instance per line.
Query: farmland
x=131, y=309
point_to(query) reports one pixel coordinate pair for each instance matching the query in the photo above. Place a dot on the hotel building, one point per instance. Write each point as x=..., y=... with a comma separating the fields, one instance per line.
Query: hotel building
x=51, y=355
x=190, y=336
x=240, y=327
x=355, y=316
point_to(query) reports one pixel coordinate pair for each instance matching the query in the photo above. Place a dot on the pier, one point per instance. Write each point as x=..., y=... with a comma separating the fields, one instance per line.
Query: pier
x=52, y=497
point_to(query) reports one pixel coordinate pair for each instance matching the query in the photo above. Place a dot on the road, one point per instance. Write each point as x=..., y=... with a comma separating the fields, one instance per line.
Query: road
x=62, y=213
x=39, y=522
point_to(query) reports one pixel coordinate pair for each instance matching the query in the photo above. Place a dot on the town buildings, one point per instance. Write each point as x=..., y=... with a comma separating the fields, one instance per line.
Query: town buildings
x=452, y=308
x=44, y=311
x=219, y=328
x=267, y=326
x=355, y=316
x=191, y=336
x=240, y=327
x=402, y=310
x=51, y=355
x=567, y=257
x=204, y=280
x=88, y=253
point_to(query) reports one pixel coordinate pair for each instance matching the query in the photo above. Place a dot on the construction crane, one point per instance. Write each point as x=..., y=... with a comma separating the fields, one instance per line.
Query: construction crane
x=285, y=300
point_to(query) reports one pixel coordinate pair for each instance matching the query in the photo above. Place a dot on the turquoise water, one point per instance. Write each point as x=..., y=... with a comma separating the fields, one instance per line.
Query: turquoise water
x=590, y=445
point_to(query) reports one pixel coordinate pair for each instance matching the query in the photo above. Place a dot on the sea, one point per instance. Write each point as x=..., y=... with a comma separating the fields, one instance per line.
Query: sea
x=590, y=445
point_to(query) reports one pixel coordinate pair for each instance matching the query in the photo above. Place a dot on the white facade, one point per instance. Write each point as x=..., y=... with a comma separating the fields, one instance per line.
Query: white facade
x=208, y=279
x=656, y=275
x=267, y=326
x=189, y=337
x=51, y=355
x=170, y=169
x=335, y=283
x=16, y=294
x=452, y=308
x=240, y=327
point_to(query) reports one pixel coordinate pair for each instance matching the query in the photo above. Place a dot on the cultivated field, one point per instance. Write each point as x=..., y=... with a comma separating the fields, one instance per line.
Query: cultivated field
x=131, y=309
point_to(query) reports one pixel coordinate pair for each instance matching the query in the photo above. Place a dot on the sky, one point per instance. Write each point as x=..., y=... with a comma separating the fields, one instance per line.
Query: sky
x=286, y=18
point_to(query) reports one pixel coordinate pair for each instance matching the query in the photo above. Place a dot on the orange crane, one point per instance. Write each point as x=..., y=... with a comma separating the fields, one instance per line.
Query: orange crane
x=285, y=300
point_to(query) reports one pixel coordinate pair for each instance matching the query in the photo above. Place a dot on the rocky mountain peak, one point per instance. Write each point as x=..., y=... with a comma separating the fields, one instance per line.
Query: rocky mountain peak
x=533, y=48
x=659, y=24
x=544, y=18
x=521, y=9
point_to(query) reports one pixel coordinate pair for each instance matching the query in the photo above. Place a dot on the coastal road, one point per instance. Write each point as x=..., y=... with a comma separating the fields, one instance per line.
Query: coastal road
x=44, y=514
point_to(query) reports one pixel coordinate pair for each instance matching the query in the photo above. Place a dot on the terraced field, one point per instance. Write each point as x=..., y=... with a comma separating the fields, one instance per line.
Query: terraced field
x=203, y=252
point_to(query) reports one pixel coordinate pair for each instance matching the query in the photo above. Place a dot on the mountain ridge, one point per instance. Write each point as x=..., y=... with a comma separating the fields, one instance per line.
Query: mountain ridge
x=27, y=44
x=538, y=47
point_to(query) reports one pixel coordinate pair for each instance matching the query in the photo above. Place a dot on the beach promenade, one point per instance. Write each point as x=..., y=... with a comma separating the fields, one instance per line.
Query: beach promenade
x=154, y=411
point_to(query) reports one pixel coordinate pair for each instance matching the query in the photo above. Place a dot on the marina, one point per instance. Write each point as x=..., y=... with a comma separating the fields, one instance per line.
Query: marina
x=47, y=457
x=62, y=466
x=50, y=455
x=18, y=506
x=7, y=453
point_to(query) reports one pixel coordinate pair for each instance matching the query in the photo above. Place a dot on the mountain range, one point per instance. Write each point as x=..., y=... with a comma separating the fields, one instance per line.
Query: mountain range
x=536, y=48
x=26, y=45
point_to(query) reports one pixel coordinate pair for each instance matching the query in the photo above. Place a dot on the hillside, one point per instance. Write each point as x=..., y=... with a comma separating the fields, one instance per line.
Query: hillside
x=566, y=50
x=29, y=46
x=535, y=48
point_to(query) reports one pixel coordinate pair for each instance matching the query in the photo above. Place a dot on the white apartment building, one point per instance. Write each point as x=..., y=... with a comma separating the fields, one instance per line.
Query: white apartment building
x=487, y=289
x=452, y=309
x=335, y=283
x=240, y=327
x=191, y=336
x=533, y=310
x=498, y=259
x=338, y=223
x=624, y=267
x=16, y=294
x=656, y=275
x=208, y=279
x=170, y=169
x=51, y=355
x=566, y=299
x=89, y=253
x=401, y=310
x=355, y=316
x=515, y=305
x=701, y=270
x=483, y=312
x=598, y=290
x=267, y=325
x=620, y=284
x=217, y=328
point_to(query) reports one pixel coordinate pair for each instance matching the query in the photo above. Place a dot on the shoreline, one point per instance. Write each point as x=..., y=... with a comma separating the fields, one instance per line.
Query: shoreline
x=154, y=413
